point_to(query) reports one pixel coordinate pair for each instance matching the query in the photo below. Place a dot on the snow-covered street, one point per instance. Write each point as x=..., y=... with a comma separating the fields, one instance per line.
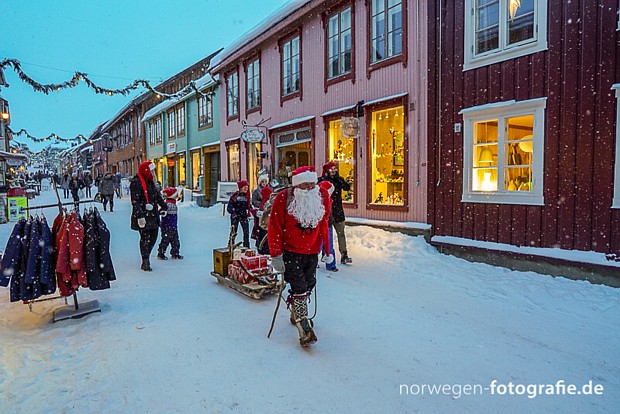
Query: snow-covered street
x=400, y=320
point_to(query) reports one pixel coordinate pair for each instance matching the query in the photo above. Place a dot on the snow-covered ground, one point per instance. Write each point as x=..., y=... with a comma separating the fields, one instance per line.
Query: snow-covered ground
x=401, y=319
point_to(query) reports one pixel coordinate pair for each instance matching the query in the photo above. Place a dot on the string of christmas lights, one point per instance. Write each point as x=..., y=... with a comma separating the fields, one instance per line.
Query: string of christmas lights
x=51, y=136
x=83, y=77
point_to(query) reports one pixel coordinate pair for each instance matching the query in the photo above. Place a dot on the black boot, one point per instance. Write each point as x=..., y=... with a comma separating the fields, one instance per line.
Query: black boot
x=345, y=259
x=146, y=265
x=177, y=256
x=161, y=256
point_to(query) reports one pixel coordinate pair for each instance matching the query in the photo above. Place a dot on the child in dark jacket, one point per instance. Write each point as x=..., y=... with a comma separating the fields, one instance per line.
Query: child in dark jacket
x=239, y=210
x=170, y=227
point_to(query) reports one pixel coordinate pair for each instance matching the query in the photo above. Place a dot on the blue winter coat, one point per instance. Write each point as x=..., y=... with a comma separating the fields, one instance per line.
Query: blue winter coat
x=11, y=264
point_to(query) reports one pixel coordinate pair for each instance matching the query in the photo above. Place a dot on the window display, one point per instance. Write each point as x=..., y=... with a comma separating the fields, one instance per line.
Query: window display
x=387, y=148
x=342, y=152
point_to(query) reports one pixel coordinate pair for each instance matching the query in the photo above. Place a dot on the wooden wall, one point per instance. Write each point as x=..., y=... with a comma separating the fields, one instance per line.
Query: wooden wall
x=575, y=74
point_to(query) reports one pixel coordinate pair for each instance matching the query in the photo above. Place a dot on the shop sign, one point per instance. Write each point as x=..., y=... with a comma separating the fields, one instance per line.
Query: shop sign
x=17, y=207
x=350, y=127
x=253, y=135
x=172, y=147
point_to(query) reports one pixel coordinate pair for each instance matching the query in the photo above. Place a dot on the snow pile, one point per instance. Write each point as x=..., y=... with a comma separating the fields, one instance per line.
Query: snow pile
x=401, y=317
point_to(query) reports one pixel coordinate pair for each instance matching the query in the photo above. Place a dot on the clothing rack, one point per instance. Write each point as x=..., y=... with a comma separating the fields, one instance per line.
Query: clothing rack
x=78, y=310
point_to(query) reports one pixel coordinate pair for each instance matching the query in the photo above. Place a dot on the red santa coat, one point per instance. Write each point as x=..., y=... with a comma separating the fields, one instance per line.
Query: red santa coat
x=70, y=267
x=284, y=233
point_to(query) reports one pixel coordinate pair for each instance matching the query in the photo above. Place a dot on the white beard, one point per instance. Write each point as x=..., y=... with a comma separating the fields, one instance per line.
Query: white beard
x=307, y=207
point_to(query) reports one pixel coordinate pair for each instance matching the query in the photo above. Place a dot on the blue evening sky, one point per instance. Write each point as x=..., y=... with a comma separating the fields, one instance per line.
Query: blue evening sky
x=114, y=42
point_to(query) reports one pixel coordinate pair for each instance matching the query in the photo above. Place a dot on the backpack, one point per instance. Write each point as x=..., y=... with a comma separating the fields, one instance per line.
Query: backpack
x=264, y=219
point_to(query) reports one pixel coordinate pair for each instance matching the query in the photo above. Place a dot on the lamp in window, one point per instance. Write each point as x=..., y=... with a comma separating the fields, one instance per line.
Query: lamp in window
x=486, y=156
x=513, y=6
x=527, y=146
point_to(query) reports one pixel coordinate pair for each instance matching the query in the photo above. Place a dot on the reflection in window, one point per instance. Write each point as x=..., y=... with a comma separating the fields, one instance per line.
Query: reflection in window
x=234, y=167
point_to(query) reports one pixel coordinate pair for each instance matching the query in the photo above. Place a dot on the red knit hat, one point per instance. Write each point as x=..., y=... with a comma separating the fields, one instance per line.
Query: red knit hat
x=327, y=166
x=242, y=183
x=304, y=175
x=170, y=192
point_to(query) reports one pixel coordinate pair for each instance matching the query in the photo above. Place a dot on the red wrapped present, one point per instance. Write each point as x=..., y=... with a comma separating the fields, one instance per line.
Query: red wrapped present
x=238, y=274
x=255, y=262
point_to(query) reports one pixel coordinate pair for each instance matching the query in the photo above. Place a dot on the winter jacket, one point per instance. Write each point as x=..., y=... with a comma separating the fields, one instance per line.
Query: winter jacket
x=239, y=206
x=257, y=197
x=106, y=185
x=70, y=266
x=337, y=213
x=285, y=232
x=138, y=203
x=170, y=221
x=99, y=267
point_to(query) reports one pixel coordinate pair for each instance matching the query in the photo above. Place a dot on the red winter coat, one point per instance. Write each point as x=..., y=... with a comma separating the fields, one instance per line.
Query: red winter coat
x=70, y=267
x=284, y=233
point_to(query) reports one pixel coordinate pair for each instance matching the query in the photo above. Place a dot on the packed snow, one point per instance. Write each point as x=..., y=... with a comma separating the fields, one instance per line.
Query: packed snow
x=404, y=329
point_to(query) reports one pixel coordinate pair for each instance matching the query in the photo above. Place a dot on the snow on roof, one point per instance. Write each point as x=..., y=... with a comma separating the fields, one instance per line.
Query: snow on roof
x=5, y=154
x=263, y=26
x=209, y=144
x=569, y=255
x=335, y=111
x=387, y=98
x=291, y=122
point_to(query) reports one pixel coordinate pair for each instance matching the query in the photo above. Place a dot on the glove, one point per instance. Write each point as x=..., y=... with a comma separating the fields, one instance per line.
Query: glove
x=148, y=207
x=163, y=213
x=259, y=214
x=327, y=259
x=277, y=263
x=141, y=222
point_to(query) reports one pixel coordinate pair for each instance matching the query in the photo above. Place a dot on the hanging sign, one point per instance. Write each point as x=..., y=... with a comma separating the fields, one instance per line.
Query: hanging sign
x=172, y=147
x=350, y=127
x=253, y=135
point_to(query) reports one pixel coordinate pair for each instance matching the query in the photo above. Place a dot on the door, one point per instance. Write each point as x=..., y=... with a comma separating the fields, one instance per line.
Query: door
x=214, y=175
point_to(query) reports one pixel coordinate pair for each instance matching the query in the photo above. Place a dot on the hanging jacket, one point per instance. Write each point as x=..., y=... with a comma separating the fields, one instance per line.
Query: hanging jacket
x=47, y=276
x=12, y=263
x=99, y=267
x=30, y=286
x=70, y=268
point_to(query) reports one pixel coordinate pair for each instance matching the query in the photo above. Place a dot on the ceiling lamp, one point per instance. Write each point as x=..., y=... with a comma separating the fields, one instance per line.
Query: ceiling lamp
x=513, y=7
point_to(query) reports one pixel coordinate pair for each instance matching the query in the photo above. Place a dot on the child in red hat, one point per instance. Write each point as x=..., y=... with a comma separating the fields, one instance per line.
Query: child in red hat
x=239, y=210
x=170, y=227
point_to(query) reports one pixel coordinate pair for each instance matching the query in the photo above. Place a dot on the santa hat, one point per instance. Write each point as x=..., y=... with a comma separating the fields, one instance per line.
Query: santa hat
x=326, y=185
x=327, y=166
x=170, y=192
x=304, y=175
x=242, y=184
x=145, y=172
x=262, y=178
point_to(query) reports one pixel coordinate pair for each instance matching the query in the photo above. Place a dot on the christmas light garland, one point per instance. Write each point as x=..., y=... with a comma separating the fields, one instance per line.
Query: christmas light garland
x=49, y=137
x=83, y=77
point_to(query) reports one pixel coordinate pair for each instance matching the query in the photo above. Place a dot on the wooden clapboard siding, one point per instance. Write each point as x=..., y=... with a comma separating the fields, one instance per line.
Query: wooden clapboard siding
x=575, y=74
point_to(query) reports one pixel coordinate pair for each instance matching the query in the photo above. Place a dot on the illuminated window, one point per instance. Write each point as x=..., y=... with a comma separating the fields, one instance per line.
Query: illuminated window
x=387, y=149
x=498, y=30
x=234, y=166
x=503, y=152
x=195, y=156
x=342, y=152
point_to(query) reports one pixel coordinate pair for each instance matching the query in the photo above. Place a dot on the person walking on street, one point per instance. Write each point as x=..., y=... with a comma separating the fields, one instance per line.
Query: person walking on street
x=170, y=227
x=297, y=228
x=239, y=210
x=75, y=185
x=117, y=185
x=330, y=173
x=64, y=184
x=106, y=189
x=146, y=203
x=88, y=182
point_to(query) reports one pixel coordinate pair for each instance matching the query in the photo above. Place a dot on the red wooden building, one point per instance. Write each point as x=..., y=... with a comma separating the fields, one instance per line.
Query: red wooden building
x=523, y=142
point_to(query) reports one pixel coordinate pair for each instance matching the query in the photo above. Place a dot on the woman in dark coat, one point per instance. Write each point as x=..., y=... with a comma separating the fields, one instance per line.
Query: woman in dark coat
x=146, y=203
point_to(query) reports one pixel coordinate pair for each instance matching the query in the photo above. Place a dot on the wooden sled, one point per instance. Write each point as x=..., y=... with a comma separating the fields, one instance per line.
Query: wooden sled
x=252, y=290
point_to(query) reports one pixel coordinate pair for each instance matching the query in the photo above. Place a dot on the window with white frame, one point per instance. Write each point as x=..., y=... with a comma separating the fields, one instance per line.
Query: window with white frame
x=205, y=111
x=232, y=94
x=151, y=132
x=180, y=110
x=616, y=200
x=503, y=152
x=339, y=43
x=172, y=124
x=158, y=130
x=386, y=29
x=291, y=66
x=498, y=30
x=252, y=73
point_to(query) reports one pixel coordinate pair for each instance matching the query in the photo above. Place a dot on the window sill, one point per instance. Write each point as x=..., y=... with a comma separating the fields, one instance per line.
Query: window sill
x=284, y=98
x=253, y=110
x=340, y=78
x=518, y=199
x=486, y=60
x=389, y=207
x=207, y=126
x=385, y=63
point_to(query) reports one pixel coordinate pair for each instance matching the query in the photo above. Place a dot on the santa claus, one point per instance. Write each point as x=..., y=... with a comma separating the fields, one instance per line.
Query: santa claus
x=297, y=229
